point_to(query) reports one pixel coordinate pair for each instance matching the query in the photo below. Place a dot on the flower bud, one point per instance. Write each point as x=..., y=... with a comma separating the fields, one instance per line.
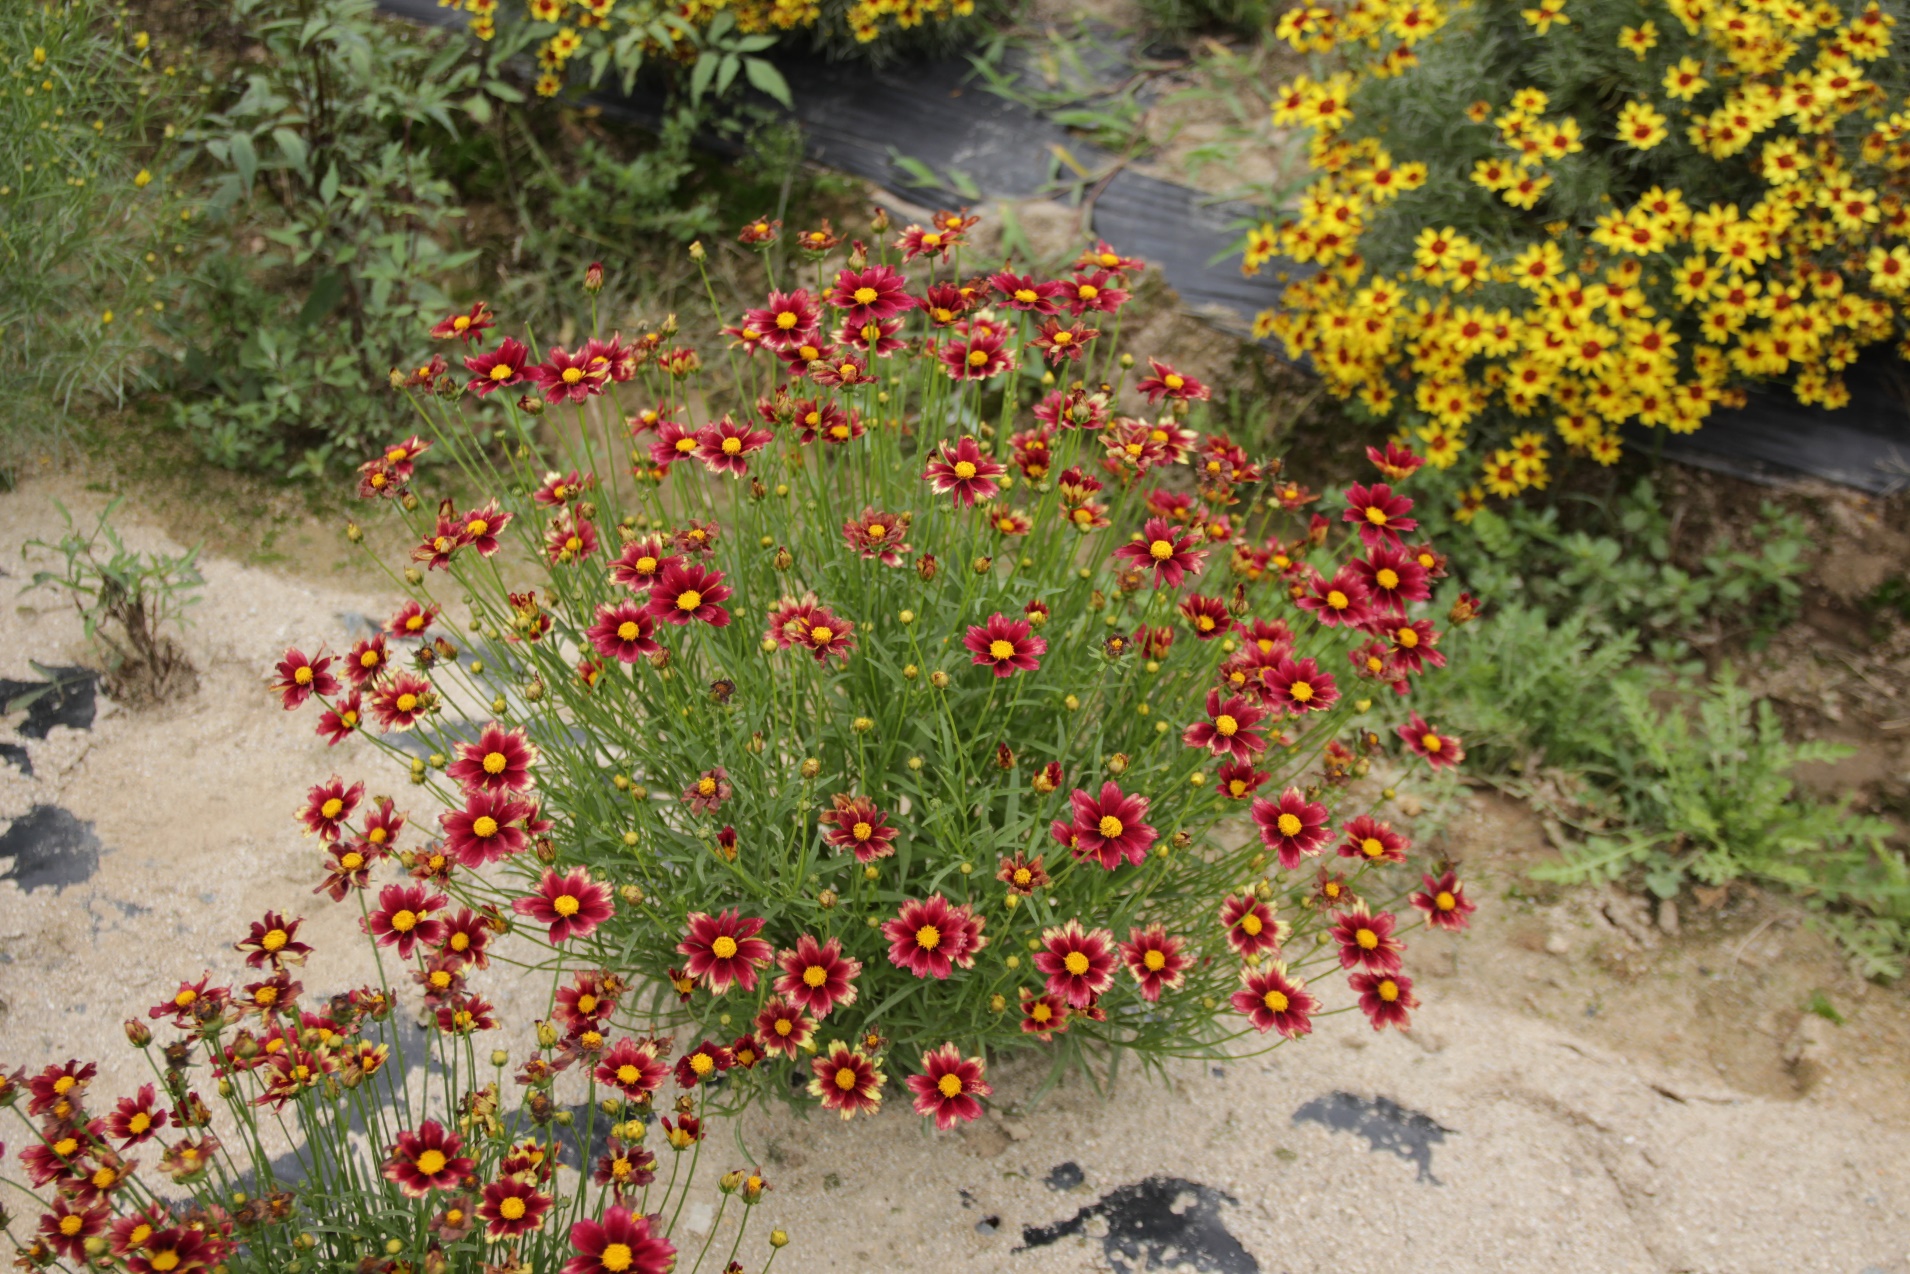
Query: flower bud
x=915, y=763
x=997, y=1003
x=910, y=672
x=1004, y=759
x=730, y=1182
x=413, y=576
x=938, y=679
x=925, y=566
x=546, y=1035
x=1117, y=764
x=858, y=255
x=753, y=1187
x=696, y=253
x=826, y=900
x=862, y=725
x=811, y=767
x=982, y=564
x=500, y=1058
x=397, y=379
x=779, y=1237
x=354, y=532
x=138, y=1033
x=784, y=558
x=594, y=278
x=905, y=617
x=879, y=220
x=531, y=405
x=1127, y=360
x=630, y=894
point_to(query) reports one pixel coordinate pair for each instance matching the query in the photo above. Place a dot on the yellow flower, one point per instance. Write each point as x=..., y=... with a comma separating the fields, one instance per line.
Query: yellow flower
x=1686, y=80
x=1640, y=39
x=1639, y=126
x=142, y=179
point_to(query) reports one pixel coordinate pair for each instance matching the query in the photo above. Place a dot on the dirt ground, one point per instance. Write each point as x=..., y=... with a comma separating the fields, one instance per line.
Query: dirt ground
x=1589, y=1085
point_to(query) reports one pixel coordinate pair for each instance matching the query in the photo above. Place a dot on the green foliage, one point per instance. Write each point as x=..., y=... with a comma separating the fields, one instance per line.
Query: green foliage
x=335, y=234
x=1184, y=17
x=92, y=221
x=127, y=602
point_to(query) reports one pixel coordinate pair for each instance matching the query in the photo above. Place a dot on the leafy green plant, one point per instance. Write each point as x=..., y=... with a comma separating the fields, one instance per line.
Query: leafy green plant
x=94, y=223
x=1184, y=17
x=335, y=231
x=127, y=602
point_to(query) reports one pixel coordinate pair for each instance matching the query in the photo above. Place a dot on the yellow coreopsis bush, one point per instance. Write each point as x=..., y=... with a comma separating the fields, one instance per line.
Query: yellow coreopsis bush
x=1583, y=215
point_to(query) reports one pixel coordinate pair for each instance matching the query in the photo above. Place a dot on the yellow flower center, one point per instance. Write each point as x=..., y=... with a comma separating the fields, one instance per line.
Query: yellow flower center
x=1302, y=691
x=645, y=565
x=1388, y=990
x=1289, y=824
x=70, y=1223
x=502, y=371
x=1087, y=291
x=1445, y=901
x=705, y=786
x=928, y=937
x=574, y=543
x=140, y=1122
x=702, y=1063
x=1109, y=827
x=815, y=975
x=732, y=445
x=865, y=296
x=431, y=1162
x=484, y=825
x=1023, y=876
x=862, y=831
x=1375, y=515
x=1250, y=925
x=786, y=320
x=964, y=469
x=1041, y=1013
x=1154, y=961
x=1172, y=381
x=461, y=322
x=566, y=905
x=1338, y=600
x=1407, y=637
x=495, y=762
x=689, y=599
x=977, y=357
x=302, y=677
x=572, y=375
x=1076, y=963
x=1372, y=847
x=586, y=1003
x=1366, y=938
x=822, y=634
x=1062, y=338
x=999, y=649
x=784, y=1026
x=724, y=947
x=405, y=921
x=1432, y=742
x=1388, y=577
x=407, y=702
x=876, y=530
x=476, y=526
x=331, y=807
x=511, y=1209
x=616, y=1258
x=949, y=1085
x=164, y=1262
x=1160, y=550
x=627, y=630
x=1226, y=726
x=686, y=445
x=460, y=942
x=1275, y=1000
x=845, y=1078
x=275, y=939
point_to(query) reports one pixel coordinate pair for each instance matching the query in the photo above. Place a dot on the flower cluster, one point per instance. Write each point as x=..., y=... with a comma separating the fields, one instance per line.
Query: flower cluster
x=1590, y=216
x=918, y=707
x=451, y=1176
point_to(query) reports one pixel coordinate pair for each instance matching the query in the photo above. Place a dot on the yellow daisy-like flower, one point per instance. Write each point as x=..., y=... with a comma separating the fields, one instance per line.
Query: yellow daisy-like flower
x=1640, y=126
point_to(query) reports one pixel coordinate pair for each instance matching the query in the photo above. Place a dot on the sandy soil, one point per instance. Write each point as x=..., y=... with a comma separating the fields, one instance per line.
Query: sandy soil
x=1585, y=1088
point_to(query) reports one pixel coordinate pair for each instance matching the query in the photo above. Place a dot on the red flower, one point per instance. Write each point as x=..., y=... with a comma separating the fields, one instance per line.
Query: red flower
x=1414, y=648
x=1023, y=292
x=707, y=794
x=401, y=701
x=1042, y=1015
x=621, y=1243
x=502, y=366
x=1340, y=601
x=623, y=632
x=1105, y=257
x=1079, y=964
x=1208, y=615
x=1168, y=383
x=569, y=539
x=825, y=633
x=482, y=527
x=1438, y=750
x=641, y=562
x=631, y=1068
x=1395, y=462
x=878, y=535
x=1366, y=940
x=1251, y=928
x=1238, y=780
x=136, y=1119
x=1272, y=1001
x=560, y=489
x=328, y=805
x=568, y=377
x=723, y=949
x=1384, y=998
x=1372, y=841
x=486, y=830
x=1171, y=555
x=916, y=242
x=405, y=918
x=858, y=825
x=675, y=441
x=624, y=1168
x=176, y=1250
x=847, y=1080
x=1022, y=875
x=342, y=719
x=301, y=678
x=948, y=1087
x=1393, y=577
x=1155, y=960
x=464, y=326
x=982, y=355
x=1298, y=687
x=464, y=939
x=817, y=976
x=961, y=469
x=512, y=1207
x=412, y=620
x=1005, y=645
x=1379, y=514
x=1444, y=902
x=1108, y=828
x=66, y=1228
x=927, y=938
x=702, y=1062
x=1086, y=292
x=1229, y=730
x=758, y=233
x=783, y=1027
x=724, y=446
x=571, y=905
x=1294, y=827
x=273, y=939
x=427, y=1160
x=871, y=295
x=500, y=760
x=1057, y=342
x=686, y=591
x=788, y=320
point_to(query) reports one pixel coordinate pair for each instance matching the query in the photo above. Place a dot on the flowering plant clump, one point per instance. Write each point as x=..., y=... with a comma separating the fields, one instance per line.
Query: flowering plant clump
x=424, y=1163
x=1544, y=213
x=889, y=720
